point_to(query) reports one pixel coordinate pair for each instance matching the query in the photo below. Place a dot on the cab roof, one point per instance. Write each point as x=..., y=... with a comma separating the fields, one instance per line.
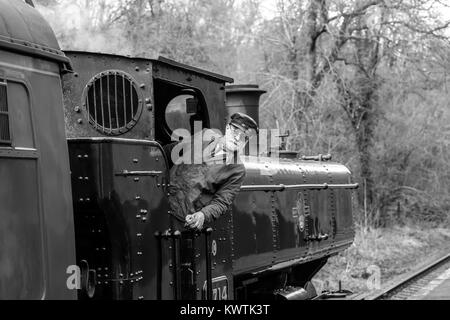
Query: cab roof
x=23, y=29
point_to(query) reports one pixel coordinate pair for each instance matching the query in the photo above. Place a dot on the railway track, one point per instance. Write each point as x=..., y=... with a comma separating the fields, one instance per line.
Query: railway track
x=410, y=286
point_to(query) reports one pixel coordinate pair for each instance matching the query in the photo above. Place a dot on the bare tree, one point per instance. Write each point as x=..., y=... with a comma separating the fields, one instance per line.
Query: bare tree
x=350, y=42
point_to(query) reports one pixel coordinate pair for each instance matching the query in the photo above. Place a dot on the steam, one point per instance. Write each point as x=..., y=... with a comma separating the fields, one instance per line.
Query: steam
x=84, y=27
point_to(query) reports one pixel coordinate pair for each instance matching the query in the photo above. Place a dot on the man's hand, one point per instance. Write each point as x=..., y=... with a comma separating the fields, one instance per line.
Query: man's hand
x=196, y=220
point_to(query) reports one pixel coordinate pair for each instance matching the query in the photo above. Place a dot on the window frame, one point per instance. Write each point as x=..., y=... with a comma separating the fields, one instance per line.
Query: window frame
x=87, y=107
x=201, y=112
x=6, y=143
x=10, y=149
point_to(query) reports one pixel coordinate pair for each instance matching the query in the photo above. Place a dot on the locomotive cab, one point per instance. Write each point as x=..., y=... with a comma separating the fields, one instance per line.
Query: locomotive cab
x=119, y=113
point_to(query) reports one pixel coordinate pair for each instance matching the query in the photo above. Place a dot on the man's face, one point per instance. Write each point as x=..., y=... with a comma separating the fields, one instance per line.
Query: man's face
x=234, y=138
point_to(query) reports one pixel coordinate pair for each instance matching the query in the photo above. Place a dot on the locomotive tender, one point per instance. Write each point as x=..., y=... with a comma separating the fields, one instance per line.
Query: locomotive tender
x=83, y=180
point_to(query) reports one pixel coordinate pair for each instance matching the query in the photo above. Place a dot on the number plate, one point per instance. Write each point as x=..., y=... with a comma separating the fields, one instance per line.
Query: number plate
x=219, y=288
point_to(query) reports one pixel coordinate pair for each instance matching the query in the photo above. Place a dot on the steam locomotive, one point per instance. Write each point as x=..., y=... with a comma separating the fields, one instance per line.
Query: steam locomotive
x=84, y=176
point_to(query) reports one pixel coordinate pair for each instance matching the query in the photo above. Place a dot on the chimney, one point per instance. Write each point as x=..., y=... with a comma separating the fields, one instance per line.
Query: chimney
x=243, y=98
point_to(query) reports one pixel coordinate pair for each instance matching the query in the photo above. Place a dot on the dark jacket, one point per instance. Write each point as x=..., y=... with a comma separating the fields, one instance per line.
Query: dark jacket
x=208, y=187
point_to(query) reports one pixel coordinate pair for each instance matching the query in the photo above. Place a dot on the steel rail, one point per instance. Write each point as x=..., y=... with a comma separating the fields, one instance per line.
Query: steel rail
x=400, y=282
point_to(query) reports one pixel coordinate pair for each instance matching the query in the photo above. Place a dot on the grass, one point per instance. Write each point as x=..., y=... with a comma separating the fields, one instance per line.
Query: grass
x=377, y=256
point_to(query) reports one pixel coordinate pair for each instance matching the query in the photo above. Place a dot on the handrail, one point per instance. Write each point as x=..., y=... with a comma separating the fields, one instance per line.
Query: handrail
x=126, y=173
x=282, y=187
x=208, y=232
x=152, y=143
x=158, y=265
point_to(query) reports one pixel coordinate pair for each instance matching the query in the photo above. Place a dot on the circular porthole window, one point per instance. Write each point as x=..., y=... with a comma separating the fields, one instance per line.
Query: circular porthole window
x=177, y=116
x=112, y=102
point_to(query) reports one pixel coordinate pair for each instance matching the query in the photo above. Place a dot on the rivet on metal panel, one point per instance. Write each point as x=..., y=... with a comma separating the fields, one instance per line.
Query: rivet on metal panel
x=131, y=274
x=86, y=178
x=106, y=269
x=138, y=198
x=75, y=75
x=171, y=283
x=142, y=86
x=139, y=235
x=141, y=298
x=86, y=156
x=136, y=179
x=148, y=100
x=137, y=68
x=81, y=200
x=139, y=253
x=121, y=282
x=138, y=216
x=121, y=275
x=144, y=211
x=88, y=199
x=80, y=121
x=77, y=109
x=135, y=160
x=144, y=219
x=149, y=106
x=79, y=156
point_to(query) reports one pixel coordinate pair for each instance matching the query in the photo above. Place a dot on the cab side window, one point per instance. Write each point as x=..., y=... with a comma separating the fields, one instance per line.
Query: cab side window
x=5, y=133
x=177, y=117
x=16, y=129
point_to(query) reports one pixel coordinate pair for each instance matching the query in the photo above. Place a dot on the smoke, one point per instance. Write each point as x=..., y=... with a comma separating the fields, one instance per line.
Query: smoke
x=85, y=26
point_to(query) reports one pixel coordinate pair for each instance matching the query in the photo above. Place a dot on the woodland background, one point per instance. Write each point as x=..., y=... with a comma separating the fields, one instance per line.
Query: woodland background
x=365, y=80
